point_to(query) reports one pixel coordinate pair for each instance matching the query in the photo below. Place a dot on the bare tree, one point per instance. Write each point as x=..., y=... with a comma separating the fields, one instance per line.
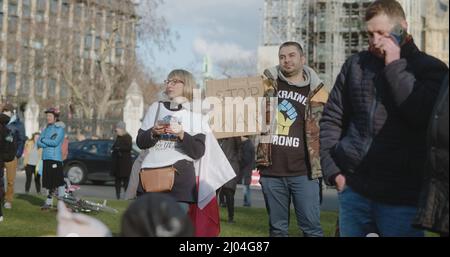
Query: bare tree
x=153, y=28
x=94, y=57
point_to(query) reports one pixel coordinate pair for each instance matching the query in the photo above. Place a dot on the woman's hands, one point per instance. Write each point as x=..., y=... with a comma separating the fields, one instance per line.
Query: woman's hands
x=158, y=130
x=174, y=128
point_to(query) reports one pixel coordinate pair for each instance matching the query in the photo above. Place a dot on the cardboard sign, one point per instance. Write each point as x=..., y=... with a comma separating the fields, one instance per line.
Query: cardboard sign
x=236, y=106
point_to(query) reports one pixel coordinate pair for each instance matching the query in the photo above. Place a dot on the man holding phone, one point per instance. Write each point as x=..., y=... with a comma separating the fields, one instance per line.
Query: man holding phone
x=373, y=128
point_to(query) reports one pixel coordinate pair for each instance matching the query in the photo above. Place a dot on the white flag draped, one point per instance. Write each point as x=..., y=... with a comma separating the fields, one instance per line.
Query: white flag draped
x=213, y=170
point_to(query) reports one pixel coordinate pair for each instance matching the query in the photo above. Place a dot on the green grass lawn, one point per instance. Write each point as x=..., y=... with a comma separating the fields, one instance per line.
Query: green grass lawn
x=255, y=222
x=26, y=219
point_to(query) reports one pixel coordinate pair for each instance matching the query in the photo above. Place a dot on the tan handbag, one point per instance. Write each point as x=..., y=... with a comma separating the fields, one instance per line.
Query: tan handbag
x=158, y=180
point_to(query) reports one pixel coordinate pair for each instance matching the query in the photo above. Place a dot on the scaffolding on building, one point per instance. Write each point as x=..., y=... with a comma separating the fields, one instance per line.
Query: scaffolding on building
x=333, y=30
x=330, y=30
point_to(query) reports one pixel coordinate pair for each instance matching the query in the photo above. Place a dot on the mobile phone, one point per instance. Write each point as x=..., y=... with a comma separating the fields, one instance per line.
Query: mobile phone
x=399, y=34
x=166, y=136
x=163, y=123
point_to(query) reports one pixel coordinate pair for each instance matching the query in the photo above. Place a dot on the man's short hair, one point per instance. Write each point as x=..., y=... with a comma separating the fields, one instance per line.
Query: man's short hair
x=292, y=43
x=391, y=8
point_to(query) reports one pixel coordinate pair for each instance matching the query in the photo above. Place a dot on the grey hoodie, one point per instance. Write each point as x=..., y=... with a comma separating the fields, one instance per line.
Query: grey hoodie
x=311, y=77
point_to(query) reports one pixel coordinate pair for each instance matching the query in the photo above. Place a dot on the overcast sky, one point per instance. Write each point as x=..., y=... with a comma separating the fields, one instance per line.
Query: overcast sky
x=222, y=29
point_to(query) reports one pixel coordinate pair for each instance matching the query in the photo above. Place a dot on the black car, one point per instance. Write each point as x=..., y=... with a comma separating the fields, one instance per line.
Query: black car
x=90, y=160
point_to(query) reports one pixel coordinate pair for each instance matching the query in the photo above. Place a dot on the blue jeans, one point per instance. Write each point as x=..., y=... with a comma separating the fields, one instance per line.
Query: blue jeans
x=247, y=196
x=359, y=216
x=278, y=192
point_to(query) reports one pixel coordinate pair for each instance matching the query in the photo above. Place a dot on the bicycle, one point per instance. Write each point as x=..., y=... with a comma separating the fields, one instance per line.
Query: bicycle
x=77, y=204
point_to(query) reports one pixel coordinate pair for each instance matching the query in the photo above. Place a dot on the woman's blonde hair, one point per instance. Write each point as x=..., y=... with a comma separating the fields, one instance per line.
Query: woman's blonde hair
x=188, y=80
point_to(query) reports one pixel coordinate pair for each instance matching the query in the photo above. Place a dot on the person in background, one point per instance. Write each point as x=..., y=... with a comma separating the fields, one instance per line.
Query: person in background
x=121, y=158
x=156, y=215
x=32, y=156
x=4, y=119
x=231, y=147
x=247, y=166
x=18, y=130
x=51, y=141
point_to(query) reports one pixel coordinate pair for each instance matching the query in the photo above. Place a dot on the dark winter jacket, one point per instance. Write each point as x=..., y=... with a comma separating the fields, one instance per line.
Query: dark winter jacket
x=433, y=205
x=121, y=156
x=4, y=119
x=231, y=147
x=18, y=130
x=247, y=162
x=374, y=125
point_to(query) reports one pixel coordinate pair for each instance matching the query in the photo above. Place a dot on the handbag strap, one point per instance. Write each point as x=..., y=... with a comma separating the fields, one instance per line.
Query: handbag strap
x=157, y=113
x=171, y=167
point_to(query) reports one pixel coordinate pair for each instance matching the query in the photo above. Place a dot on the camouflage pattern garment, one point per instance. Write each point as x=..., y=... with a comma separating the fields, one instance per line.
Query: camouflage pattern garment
x=263, y=150
x=317, y=99
x=316, y=102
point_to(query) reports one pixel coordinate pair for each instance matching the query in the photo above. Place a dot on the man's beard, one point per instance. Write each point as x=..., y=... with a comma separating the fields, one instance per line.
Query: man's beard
x=377, y=52
x=291, y=74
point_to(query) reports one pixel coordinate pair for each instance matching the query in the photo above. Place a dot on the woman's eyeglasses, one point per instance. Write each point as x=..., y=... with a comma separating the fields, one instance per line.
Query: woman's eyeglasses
x=173, y=81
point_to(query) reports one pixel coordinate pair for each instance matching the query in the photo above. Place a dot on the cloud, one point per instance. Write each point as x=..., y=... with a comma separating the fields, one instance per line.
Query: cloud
x=226, y=30
x=221, y=52
x=236, y=20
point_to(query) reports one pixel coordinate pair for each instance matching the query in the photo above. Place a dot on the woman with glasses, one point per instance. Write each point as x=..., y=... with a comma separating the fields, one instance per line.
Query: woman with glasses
x=171, y=133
